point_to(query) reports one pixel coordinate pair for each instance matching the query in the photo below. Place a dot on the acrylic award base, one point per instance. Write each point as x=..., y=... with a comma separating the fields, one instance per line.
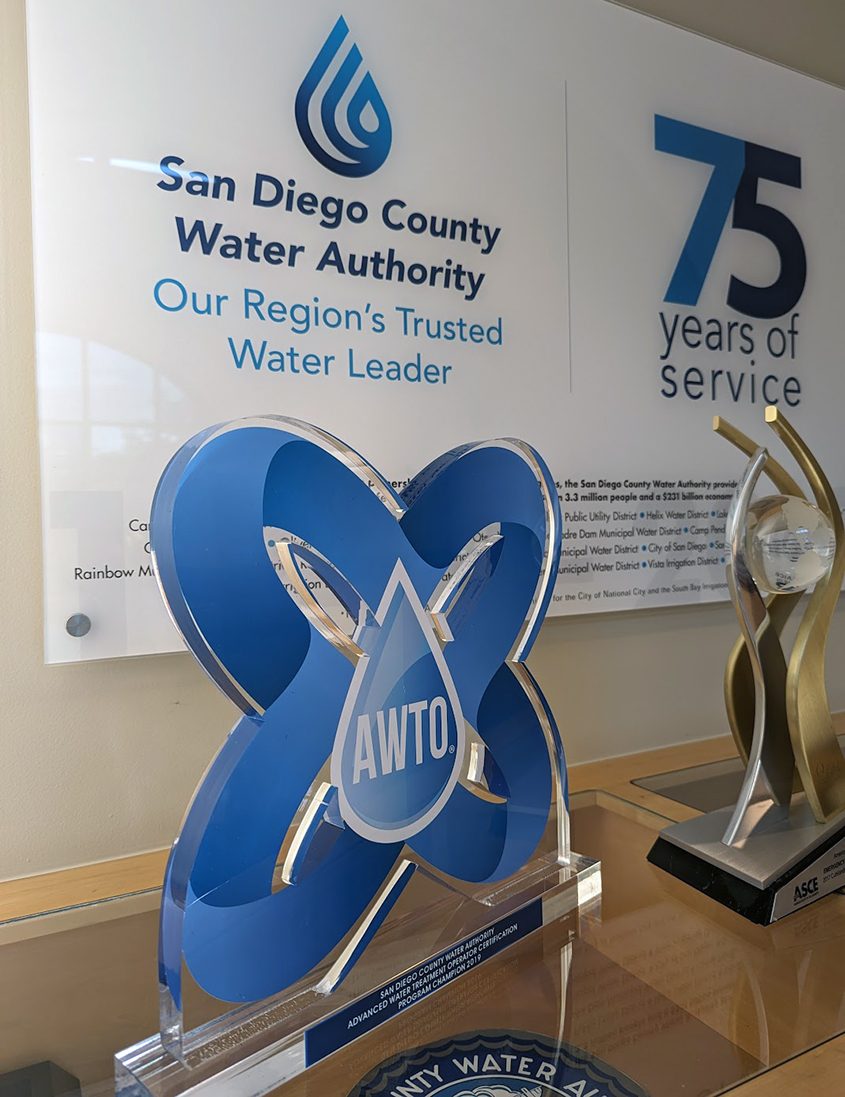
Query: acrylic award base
x=787, y=861
x=254, y=1049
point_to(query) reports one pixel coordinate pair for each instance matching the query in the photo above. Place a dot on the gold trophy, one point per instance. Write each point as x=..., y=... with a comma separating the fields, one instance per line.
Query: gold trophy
x=783, y=844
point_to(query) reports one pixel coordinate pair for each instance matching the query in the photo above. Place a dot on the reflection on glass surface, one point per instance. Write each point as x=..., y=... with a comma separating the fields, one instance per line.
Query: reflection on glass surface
x=707, y=787
x=670, y=988
x=100, y=410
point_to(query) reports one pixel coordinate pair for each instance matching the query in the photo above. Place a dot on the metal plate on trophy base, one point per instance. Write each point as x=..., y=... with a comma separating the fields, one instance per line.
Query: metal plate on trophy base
x=785, y=864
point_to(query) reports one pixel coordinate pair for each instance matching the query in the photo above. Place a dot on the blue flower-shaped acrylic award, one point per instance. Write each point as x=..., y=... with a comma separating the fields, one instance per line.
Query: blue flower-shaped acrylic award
x=391, y=808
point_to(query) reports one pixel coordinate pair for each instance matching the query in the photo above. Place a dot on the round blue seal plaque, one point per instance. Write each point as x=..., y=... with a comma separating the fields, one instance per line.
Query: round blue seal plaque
x=497, y=1064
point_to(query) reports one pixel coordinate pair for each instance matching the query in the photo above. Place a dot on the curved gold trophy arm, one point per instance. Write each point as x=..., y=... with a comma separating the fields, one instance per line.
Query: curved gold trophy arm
x=739, y=679
x=774, y=470
x=817, y=753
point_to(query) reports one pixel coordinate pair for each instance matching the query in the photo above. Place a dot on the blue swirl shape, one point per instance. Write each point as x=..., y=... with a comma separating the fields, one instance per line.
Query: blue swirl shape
x=243, y=940
x=371, y=142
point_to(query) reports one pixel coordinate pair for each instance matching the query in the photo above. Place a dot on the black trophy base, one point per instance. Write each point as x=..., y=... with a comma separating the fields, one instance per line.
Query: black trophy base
x=778, y=869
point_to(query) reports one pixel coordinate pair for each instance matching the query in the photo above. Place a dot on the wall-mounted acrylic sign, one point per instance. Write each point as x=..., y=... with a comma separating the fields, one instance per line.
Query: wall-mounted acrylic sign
x=391, y=808
x=417, y=224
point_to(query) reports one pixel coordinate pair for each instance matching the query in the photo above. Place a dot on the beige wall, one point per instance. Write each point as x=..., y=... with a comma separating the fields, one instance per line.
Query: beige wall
x=99, y=760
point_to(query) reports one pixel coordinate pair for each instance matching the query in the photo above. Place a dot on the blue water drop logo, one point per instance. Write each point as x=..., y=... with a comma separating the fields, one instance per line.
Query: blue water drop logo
x=401, y=737
x=340, y=113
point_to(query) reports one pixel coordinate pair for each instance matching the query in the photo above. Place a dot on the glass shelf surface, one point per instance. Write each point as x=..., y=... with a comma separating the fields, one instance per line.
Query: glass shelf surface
x=673, y=990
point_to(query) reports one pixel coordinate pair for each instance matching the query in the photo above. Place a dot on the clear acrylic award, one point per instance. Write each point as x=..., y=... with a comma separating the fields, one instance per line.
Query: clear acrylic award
x=391, y=808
